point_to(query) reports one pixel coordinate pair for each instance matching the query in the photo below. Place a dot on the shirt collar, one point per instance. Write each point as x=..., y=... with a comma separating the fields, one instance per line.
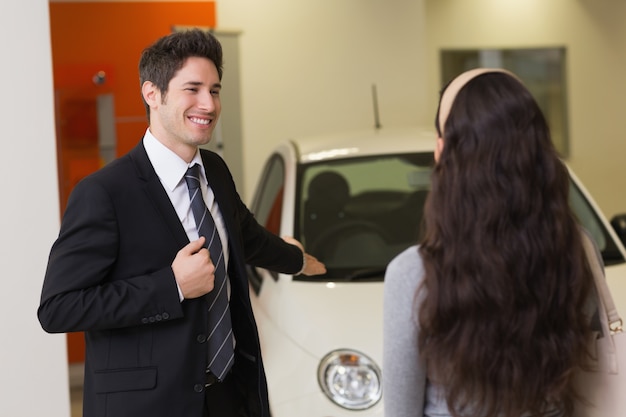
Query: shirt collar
x=169, y=167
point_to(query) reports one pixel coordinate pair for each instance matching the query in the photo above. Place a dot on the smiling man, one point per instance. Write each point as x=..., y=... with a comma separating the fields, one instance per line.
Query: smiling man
x=150, y=259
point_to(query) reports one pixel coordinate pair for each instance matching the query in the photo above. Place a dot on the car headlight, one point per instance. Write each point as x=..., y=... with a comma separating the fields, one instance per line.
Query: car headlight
x=350, y=379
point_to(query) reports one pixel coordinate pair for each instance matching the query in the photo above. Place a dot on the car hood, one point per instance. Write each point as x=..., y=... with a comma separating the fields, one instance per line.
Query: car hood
x=320, y=316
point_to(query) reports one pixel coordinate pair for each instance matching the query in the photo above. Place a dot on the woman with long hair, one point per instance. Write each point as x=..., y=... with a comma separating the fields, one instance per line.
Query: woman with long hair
x=489, y=315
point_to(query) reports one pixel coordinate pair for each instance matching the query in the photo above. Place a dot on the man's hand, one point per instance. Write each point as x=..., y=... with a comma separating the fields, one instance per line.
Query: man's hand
x=311, y=265
x=194, y=270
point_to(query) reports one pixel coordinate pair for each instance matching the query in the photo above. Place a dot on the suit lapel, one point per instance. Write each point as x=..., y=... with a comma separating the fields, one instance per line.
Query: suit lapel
x=223, y=195
x=156, y=193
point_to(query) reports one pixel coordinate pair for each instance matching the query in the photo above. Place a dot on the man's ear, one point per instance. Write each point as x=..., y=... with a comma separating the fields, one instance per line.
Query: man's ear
x=438, y=148
x=150, y=93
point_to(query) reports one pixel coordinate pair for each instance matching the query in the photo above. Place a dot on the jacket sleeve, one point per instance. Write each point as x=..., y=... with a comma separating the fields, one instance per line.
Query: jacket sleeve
x=266, y=250
x=79, y=292
x=261, y=248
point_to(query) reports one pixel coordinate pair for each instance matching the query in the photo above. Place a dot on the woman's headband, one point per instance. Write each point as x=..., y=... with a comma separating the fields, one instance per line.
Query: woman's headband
x=450, y=93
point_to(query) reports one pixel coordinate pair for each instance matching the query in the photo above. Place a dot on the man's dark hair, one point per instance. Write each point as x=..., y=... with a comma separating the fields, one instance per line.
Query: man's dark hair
x=160, y=61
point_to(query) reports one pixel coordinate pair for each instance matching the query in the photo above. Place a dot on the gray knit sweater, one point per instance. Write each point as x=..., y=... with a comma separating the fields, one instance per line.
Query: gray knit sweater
x=406, y=388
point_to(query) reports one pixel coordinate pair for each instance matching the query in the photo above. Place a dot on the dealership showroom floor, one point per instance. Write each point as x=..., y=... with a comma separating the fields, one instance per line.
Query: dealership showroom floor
x=76, y=389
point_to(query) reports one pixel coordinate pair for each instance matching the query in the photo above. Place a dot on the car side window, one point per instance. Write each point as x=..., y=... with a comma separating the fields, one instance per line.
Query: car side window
x=267, y=207
x=268, y=203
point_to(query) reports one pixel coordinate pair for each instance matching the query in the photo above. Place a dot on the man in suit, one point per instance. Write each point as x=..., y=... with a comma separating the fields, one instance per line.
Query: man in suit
x=130, y=269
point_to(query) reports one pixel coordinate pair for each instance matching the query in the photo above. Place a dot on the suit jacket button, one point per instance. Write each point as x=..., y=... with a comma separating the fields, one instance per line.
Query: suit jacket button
x=151, y=319
x=198, y=388
x=158, y=317
x=165, y=316
x=201, y=338
x=144, y=320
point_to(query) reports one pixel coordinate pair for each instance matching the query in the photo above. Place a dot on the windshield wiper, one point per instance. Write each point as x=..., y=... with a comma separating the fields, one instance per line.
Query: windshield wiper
x=366, y=273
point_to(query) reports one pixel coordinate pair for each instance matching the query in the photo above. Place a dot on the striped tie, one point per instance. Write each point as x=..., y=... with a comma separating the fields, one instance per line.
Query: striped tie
x=220, y=339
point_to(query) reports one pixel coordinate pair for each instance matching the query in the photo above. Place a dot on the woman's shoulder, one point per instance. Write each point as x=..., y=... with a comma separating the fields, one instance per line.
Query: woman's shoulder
x=405, y=271
x=408, y=259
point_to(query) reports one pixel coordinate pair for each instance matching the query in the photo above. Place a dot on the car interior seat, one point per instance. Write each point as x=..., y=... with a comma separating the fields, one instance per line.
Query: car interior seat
x=328, y=193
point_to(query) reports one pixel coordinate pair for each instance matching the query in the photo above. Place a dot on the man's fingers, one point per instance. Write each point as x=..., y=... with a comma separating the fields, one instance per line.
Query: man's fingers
x=194, y=246
x=313, y=266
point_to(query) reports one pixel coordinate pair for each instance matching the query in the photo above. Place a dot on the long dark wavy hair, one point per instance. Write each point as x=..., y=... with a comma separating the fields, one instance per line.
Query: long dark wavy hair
x=502, y=322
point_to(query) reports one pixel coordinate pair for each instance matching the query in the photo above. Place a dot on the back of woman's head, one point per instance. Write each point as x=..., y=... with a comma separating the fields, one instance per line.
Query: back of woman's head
x=502, y=322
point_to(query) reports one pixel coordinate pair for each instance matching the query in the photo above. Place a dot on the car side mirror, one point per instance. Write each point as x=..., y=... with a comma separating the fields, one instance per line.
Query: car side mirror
x=619, y=225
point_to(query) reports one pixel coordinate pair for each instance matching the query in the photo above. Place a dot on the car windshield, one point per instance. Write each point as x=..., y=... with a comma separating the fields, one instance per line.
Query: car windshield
x=356, y=214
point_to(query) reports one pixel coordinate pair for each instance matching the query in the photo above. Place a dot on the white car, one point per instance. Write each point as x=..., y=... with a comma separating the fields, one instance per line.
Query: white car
x=354, y=201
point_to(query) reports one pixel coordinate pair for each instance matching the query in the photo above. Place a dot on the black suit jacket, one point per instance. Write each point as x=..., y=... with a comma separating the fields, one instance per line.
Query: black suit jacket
x=109, y=274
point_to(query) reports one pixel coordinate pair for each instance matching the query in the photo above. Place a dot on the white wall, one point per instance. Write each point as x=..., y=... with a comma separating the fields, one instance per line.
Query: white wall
x=307, y=67
x=594, y=34
x=33, y=380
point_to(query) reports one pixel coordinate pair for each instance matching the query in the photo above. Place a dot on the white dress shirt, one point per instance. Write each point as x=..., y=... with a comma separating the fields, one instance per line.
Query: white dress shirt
x=171, y=169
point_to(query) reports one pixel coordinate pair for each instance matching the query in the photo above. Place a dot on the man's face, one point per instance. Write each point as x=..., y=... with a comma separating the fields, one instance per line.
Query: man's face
x=186, y=116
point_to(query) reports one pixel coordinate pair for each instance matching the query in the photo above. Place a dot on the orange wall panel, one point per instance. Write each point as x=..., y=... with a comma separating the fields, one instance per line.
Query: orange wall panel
x=113, y=35
x=90, y=37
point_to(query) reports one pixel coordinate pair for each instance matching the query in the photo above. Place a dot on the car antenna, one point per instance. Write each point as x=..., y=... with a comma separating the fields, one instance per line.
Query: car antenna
x=377, y=124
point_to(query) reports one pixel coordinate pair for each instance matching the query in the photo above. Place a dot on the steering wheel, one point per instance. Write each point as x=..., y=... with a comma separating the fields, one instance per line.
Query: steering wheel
x=333, y=235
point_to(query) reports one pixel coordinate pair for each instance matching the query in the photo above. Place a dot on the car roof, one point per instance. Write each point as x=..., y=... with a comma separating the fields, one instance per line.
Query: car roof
x=364, y=143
